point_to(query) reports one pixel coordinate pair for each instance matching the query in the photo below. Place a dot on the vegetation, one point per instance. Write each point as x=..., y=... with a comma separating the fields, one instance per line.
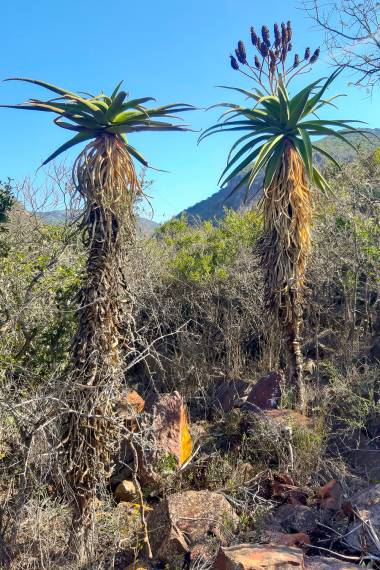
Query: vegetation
x=104, y=176
x=199, y=316
x=279, y=140
x=98, y=321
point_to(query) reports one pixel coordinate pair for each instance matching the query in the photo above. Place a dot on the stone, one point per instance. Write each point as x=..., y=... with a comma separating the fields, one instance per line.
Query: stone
x=171, y=426
x=185, y=519
x=130, y=405
x=266, y=393
x=296, y=518
x=330, y=496
x=364, y=452
x=249, y=557
x=172, y=444
x=367, y=504
x=322, y=563
x=293, y=539
x=282, y=487
x=230, y=393
x=125, y=491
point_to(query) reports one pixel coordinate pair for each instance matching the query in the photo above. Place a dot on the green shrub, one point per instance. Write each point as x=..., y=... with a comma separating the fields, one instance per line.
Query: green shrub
x=205, y=251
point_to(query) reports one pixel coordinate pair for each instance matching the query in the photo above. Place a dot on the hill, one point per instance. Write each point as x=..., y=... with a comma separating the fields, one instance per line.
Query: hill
x=213, y=207
x=56, y=217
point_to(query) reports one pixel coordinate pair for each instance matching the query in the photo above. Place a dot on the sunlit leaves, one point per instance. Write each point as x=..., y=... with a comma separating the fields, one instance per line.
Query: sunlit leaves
x=274, y=121
x=93, y=116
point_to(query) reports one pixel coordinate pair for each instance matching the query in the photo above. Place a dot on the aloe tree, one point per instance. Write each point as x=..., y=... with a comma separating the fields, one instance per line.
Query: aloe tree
x=105, y=177
x=280, y=137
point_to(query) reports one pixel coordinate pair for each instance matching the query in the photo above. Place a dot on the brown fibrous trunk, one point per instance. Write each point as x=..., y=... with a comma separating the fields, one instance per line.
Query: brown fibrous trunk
x=105, y=177
x=284, y=249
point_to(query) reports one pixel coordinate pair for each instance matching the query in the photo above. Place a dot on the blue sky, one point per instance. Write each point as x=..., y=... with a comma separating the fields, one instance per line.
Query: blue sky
x=174, y=51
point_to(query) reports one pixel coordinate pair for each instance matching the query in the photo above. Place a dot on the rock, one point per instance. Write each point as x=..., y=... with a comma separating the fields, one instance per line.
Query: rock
x=282, y=487
x=125, y=491
x=249, y=557
x=172, y=444
x=294, y=539
x=185, y=519
x=296, y=518
x=203, y=553
x=266, y=393
x=364, y=454
x=322, y=563
x=330, y=496
x=230, y=393
x=130, y=404
x=171, y=427
x=367, y=504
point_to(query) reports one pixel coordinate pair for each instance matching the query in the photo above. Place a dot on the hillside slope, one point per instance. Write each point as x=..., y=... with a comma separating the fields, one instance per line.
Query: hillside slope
x=213, y=207
x=56, y=217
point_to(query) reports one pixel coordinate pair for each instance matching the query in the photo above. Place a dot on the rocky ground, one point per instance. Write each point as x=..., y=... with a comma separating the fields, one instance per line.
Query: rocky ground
x=259, y=518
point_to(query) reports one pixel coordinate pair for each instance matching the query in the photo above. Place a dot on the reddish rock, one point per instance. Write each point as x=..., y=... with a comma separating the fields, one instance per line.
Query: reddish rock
x=330, y=496
x=266, y=393
x=248, y=557
x=172, y=440
x=130, y=404
x=294, y=539
x=183, y=520
x=288, y=493
x=170, y=426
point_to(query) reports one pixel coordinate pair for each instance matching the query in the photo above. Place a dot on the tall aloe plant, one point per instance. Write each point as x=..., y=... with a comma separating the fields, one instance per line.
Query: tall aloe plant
x=280, y=136
x=105, y=177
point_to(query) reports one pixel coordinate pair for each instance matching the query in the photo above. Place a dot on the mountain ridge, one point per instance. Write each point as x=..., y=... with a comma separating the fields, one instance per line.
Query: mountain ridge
x=213, y=207
x=57, y=217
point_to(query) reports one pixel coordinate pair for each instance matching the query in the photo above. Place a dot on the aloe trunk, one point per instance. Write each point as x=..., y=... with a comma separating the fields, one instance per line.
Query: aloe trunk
x=105, y=178
x=284, y=248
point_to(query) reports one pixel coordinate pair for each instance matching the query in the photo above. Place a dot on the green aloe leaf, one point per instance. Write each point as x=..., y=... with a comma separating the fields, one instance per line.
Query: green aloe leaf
x=273, y=165
x=79, y=138
x=327, y=155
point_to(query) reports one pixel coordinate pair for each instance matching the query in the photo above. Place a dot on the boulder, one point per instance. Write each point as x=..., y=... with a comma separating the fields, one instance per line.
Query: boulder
x=172, y=443
x=367, y=504
x=296, y=518
x=125, y=491
x=230, y=394
x=266, y=393
x=185, y=519
x=330, y=496
x=171, y=426
x=249, y=557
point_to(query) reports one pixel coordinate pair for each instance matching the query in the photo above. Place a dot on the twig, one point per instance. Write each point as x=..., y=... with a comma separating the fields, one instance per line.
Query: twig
x=141, y=498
